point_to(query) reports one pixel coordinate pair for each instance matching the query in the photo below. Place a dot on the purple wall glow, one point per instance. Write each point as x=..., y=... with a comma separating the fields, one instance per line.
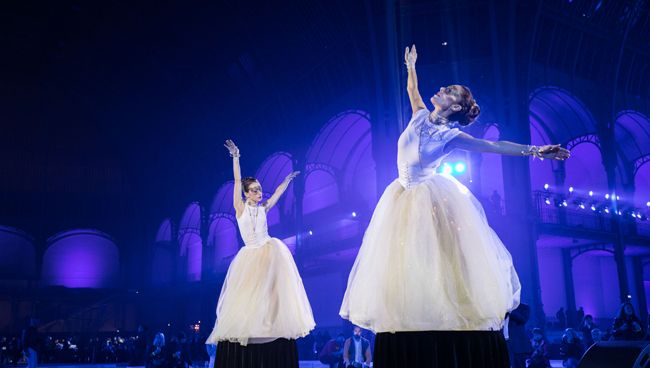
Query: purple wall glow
x=585, y=172
x=321, y=191
x=491, y=169
x=223, y=236
x=163, y=266
x=82, y=260
x=222, y=202
x=642, y=187
x=551, y=279
x=191, y=246
x=18, y=255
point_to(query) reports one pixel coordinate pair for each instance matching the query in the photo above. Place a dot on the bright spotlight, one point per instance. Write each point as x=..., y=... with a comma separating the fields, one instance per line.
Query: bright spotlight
x=647, y=204
x=354, y=214
x=606, y=209
x=593, y=208
x=564, y=203
x=446, y=169
x=591, y=193
x=460, y=167
x=570, y=189
x=633, y=214
x=582, y=205
x=547, y=200
x=310, y=233
x=618, y=198
x=546, y=188
x=606, y=196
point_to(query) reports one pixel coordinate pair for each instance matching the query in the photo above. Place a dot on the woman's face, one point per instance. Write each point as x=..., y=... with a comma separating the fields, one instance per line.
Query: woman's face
x=447, y=98
x=537, y=336
x=254, y=192
x=628, y=309
x=570, y=335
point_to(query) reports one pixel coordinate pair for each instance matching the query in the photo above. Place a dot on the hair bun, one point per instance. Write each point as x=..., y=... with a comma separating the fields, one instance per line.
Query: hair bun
x=471, y=114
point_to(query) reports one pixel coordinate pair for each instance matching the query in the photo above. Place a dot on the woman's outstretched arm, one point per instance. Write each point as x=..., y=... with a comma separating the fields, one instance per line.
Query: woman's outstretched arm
x=236, y=201
x=279, y=190
x=412, y=84
x=466, y=142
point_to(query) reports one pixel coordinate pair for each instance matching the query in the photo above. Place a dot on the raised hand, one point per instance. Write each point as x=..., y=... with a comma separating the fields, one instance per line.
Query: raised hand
x=410, y=57
x=554, y=152
x=292, y=175
x=234, y=151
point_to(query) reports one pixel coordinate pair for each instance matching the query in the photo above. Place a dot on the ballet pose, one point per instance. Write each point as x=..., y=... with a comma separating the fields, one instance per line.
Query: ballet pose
x=262, y=298
x=429, y=260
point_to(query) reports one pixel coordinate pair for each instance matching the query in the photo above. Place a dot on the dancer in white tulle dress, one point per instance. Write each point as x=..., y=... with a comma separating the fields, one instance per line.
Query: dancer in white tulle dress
x=262, y=298
x=429, y=260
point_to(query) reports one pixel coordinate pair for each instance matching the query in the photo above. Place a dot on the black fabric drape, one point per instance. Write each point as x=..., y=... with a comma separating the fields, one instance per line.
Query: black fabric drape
x=441, y=349
x=280, y=353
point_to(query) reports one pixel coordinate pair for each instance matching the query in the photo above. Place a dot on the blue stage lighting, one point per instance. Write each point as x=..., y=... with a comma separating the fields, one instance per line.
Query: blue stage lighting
x=547, y=201
x=591, y=193
x=570, y=189
x=564, y=203
x=546, y=188
x=447, y=169
x=647, y=204
x=606, y=209
x=354, y=214
x=607, y=196
x=460, y=167
x=310, y=233
x=593, y=208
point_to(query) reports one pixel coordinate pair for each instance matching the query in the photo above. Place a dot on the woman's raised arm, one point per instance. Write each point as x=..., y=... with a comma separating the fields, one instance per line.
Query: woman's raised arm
x=412, y=84
x=236, y=201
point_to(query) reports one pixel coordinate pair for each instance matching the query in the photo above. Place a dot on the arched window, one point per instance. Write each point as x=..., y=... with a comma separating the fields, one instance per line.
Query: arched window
x=271, y=174
x=81, y=258
x=189, y=239
x=18, y=254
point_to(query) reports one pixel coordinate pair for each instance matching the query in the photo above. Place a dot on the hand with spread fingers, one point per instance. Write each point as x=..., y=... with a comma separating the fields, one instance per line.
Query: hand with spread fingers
x=554, y=152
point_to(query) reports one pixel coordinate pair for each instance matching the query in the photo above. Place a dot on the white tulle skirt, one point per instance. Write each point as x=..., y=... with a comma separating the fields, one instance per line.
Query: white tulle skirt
x=262, y=298
x=430, y=261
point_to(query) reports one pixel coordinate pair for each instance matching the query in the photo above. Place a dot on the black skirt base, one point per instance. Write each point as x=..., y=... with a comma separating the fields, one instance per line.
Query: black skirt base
x=441, y=349
x=280, y=353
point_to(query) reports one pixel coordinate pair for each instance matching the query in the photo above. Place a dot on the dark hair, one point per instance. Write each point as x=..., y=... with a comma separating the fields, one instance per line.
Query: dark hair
x=342, y=335
x=469, y=109
x=621, y=312
x=537, y=331
x=246, y=183
x=181, y=336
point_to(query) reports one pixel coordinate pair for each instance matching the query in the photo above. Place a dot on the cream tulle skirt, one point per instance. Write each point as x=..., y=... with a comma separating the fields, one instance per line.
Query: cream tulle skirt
x=262, y=298
x=430, y=261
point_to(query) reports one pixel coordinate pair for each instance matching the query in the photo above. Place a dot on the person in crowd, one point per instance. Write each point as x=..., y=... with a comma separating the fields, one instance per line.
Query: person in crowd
x=179, y=353
x=596, y=336
x=156, y=354
x=541, y=351
x=16, y=352
x=139, y=346
x=107, y=352
x=514, y=331
x=356, y=351
x=3, y=350
x=571, y=350
x=586, y=326
x=561, y=319
x=496, y=202
x=332, y=353
x=570, y=318
x=211, y=350
x=319, y=343
x=627, y=326
x=309, y=342
x=580, y=314
x=30, y=342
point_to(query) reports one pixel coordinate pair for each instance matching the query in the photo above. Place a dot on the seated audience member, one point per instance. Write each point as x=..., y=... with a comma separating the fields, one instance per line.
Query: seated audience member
x=332, y=353
x=356, y=352
x=586, y=325
x=627, y=326
x=571, y=350
x=541, y=351
x=596, y=336
x=156, y=355
x=179, y=352
x=607, y=335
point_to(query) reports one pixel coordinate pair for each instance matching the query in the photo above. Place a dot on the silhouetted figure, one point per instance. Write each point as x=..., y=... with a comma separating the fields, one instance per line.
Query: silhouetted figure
x=561, y=319
x=580, y=314
x=570, y=318
x=496, y=202
x=571, y=350
x=519, y=347
x=541, y=351
x=29, y=343
x=140, y=347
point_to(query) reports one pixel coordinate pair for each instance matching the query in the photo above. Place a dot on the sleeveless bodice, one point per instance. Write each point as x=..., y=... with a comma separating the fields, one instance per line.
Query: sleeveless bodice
x=252, y=226
x=420, y=149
